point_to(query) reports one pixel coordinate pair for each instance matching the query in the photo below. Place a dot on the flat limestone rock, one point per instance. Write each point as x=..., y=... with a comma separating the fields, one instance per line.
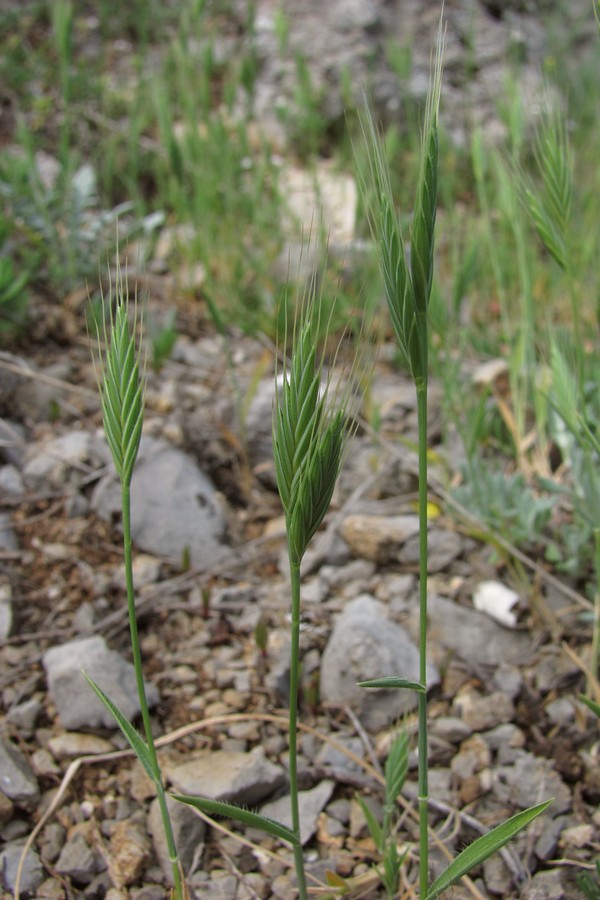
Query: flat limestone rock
x=174, y=506
x=76, y=703
x=378, y=538
x=234, y=777
x=469, y=634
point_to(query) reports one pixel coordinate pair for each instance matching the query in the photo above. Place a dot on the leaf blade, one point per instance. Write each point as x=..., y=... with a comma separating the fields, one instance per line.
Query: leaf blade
x=388, y=682
x=244, y=816
x=134, y=738
x=483, y=847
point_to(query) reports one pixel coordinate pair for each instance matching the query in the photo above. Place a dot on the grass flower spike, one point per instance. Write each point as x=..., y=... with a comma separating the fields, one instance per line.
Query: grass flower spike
x=310, y=431
x=308, y=442
x=122, y=394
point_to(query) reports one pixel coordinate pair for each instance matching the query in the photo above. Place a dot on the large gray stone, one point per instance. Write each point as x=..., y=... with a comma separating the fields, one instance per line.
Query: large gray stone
x=365, y=644
x=462, y=631
x=174, y=506
x=227, y=775
x=76, y=703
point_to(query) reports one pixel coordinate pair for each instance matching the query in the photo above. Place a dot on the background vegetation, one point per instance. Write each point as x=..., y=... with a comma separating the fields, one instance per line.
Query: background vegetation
x=100, y=127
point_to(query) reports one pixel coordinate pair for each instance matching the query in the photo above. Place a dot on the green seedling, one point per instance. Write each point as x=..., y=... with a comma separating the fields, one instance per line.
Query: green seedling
x=408, y=289
x=590, y=884
x=383, y=834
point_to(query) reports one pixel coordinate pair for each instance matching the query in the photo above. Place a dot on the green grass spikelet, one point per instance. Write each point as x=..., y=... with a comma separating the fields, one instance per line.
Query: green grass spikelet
x=315, y=484
x=122, y=395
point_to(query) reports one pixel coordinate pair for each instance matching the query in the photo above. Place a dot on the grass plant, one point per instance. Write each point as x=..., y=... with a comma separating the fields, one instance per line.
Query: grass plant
x=384, y=832
x=310, y=430
x=407, y=286
x=122, y=391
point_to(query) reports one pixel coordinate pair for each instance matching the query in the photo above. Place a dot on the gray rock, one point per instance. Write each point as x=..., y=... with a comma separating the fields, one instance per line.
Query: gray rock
x=66, y=459
x=71, y=744
x=497, y=876
x=259, y=427
x=483, y=712
x=442, y=548
x=337, y=763
x=8, y=538
x=546, y=885
x=75, y=701
x=36, y=399
x=78, y=860
x=12, y=440
x=16, y=777
x=32, y=873
x=310, y=804
x=24, y=715
x=216, y=885
x=277, y=679
x=6, y=613
x=531, y=780
x=225, y=775
x=174, y=505
x=546, y=844
x=51, y=841
x=11, y=483
x=128, y=852
x=470, y=634
x=188, y=828
x=450, y=728
x=364, y=644
x=378, y=538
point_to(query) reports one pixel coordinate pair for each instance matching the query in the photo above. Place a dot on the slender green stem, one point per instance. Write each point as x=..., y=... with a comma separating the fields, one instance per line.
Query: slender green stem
x=596, y=634
x=577, y=326
x=293, y=724
x=141, y=688
x=422, y=696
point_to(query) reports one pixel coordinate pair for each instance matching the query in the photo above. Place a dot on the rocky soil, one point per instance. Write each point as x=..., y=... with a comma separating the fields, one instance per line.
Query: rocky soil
x=507, y=729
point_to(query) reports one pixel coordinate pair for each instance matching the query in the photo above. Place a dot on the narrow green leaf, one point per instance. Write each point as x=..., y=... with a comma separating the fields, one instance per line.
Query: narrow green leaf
x=483, y=847
x=136, y=742
x=253, y=820
x=394, y=681
x=396, y=769
x=591, y=704
x=373, y=825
